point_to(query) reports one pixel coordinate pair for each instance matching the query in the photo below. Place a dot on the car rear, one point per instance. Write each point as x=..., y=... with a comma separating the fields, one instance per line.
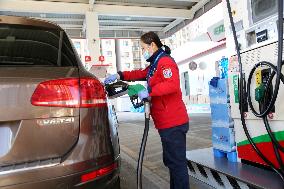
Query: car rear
x=56, y=128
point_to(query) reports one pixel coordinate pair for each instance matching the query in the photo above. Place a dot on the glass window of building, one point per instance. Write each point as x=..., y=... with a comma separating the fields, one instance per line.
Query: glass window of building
x=108, y=42
x=125, y=43
x=136, y=55
x=126, y=54
x=127, y=65
x=109, y=53
x=136, y=43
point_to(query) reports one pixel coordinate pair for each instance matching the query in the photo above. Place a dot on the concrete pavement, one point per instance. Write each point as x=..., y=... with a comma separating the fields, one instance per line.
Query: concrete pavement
x=155, y=173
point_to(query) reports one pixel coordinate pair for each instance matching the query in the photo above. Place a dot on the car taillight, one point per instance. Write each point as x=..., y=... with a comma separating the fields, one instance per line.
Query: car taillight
x=70, y=92
x=92, y=93
x=97, y=173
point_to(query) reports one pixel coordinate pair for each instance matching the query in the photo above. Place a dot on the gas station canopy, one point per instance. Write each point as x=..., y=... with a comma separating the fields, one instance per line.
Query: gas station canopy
x=117, y=18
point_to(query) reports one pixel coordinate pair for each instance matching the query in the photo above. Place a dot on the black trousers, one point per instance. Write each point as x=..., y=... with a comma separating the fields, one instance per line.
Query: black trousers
x=174, y=155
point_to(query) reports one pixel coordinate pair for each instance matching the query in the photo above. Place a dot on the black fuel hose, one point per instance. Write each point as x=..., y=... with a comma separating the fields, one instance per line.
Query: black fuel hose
x=275, y=144
x=142, y=149
x=265, y=120
x=241, y=92
x=280, y=76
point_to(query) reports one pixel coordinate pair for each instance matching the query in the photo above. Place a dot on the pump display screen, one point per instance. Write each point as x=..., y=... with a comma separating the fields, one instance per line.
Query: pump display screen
x=262, y=9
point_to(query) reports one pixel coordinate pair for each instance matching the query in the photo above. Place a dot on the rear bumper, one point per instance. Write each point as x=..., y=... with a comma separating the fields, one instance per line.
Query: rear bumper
x=70, y=181
x=94, y=150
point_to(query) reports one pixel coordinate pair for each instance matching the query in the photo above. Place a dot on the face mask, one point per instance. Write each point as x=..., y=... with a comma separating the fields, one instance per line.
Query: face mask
x=146, y=55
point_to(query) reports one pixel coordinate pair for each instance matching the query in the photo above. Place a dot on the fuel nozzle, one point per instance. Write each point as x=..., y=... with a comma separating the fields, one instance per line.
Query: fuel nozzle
x=259, y=92
x=133, y=91
x=116, y=89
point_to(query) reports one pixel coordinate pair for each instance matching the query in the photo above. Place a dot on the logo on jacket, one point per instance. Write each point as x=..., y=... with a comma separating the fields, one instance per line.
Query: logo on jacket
x=167, y=73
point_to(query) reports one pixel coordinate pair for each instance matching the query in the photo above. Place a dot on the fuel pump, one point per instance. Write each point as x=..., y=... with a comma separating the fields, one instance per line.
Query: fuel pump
x=120, y=88
x=265, y=93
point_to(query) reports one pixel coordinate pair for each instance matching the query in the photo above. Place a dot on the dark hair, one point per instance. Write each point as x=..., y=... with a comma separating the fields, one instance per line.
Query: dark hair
x=150, y=37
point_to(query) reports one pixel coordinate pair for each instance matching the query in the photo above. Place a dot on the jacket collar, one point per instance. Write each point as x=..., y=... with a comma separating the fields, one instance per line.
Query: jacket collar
x=154, y=56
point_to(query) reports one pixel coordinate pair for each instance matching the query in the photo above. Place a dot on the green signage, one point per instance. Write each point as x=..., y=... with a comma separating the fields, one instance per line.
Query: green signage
x=219, y=29
x=236, y=87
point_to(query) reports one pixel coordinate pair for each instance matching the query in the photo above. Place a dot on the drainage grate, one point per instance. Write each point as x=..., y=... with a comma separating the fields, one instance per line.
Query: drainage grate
x=217, y=177
x=190, y=167
x=251, y=187
x=202, y=171
x=234, y=183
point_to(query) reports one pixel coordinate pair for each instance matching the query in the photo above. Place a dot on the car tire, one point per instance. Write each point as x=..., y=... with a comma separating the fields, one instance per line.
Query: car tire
x=117, y=184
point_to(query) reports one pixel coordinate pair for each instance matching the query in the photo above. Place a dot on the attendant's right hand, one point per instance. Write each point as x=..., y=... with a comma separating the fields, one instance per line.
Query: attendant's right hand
x=111, y=78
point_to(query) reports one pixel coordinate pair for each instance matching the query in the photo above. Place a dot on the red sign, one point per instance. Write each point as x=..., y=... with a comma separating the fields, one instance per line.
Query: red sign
x=88, y=59
x=101, y=58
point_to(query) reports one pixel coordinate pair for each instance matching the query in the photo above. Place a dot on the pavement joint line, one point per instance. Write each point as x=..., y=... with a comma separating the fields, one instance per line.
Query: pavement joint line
x=149, y=144
x=129, y=137
x=126, y=126
x=150, y=128
x=125, y=138
x=133, y=145
x=155, y=163
x=133, y=154
x=138, y=132
x=196, y=130
x=192, y=135
x=205, y=125
x=149, y=164
x=190, y=138
x=191, y=128
x=147, y=173
x=155, y=147
x=198, y=139
x=130, y=134
x=128, y=151
x=198, y=124
x=154, y=154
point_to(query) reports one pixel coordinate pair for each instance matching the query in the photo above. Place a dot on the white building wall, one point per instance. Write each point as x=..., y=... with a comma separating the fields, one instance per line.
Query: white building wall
x=192, y=43
x=197, y=29
x=108, y=51
x=198, y=100
x=198, y=79
x=81, y=48
x=127, y=55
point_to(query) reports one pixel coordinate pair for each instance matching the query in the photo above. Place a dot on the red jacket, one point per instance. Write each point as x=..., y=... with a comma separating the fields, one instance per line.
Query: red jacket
x=167, y=107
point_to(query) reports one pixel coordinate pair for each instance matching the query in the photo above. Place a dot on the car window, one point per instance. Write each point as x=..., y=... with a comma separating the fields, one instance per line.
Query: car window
x=22, y=45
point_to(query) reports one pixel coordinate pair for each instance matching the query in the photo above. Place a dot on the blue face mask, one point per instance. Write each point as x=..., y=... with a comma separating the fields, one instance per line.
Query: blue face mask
x=146, y=55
